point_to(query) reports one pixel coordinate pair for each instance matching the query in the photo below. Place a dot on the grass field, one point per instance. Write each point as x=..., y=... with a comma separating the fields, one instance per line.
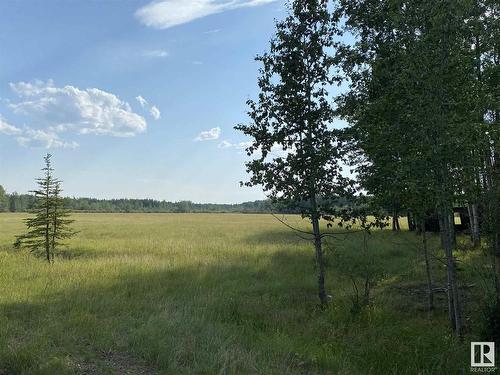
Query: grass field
x=224, y=294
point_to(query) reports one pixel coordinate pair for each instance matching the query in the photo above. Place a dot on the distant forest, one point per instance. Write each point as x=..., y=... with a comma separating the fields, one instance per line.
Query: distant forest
x=15, y=202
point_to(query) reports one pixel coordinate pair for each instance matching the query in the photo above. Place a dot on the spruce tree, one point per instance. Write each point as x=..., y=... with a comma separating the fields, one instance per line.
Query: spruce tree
x=50, y=223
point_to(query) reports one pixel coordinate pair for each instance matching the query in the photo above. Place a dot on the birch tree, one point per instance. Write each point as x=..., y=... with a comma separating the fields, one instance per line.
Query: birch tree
x=297, y=149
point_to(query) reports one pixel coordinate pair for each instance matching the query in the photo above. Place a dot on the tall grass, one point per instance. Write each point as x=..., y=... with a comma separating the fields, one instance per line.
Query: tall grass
x=223, y=294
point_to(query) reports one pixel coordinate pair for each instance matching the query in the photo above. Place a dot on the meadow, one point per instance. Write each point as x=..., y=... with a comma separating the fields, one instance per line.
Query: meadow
x=227, y=294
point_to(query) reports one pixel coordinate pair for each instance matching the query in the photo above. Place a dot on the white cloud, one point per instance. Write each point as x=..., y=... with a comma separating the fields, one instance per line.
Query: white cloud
x=168, y=13
x=156, y=53
x=153, y=110
x=143, y=102
x=35, y=137
x=237, y=146
x=52, y=112
x=30, y=88
x=68, y=108
x=209, y=135
x=41, y=138
x=8, y=129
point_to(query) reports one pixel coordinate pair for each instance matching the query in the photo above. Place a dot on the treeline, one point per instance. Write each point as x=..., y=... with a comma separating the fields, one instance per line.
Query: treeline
x=25, y=202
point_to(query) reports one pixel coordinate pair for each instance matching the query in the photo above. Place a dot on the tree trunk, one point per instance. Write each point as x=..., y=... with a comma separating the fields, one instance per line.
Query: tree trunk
x=471, y=221
x=427, y=267
x=496, y=226
x=441, y=230
x=319, y=261
x=411, y=221
x=395, y=221
x=475, y=229
x=447, y=221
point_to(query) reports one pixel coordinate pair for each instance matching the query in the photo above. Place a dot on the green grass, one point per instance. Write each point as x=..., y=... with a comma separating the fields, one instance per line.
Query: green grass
x=223, y=294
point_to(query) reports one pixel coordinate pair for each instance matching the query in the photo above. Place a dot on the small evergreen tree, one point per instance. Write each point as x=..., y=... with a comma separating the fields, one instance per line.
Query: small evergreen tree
x=50, y=224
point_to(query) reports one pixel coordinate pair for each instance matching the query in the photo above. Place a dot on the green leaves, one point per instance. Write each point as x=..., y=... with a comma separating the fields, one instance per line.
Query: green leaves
x=297, y=153
x=412, y=101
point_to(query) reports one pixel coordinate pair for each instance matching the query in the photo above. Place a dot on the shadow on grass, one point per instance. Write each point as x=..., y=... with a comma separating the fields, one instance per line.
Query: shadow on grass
x=213, y=319
x=233, y=317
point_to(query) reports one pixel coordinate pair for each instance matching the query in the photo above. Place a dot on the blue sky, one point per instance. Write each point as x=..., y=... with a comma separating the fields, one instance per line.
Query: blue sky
x=134, y=99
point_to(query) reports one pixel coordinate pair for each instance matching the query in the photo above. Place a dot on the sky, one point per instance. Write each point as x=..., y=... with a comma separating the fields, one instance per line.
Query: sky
x=134, y=99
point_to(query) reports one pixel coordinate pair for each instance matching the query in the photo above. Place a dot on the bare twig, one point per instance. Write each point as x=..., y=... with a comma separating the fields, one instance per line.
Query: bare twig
x=289, y=226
